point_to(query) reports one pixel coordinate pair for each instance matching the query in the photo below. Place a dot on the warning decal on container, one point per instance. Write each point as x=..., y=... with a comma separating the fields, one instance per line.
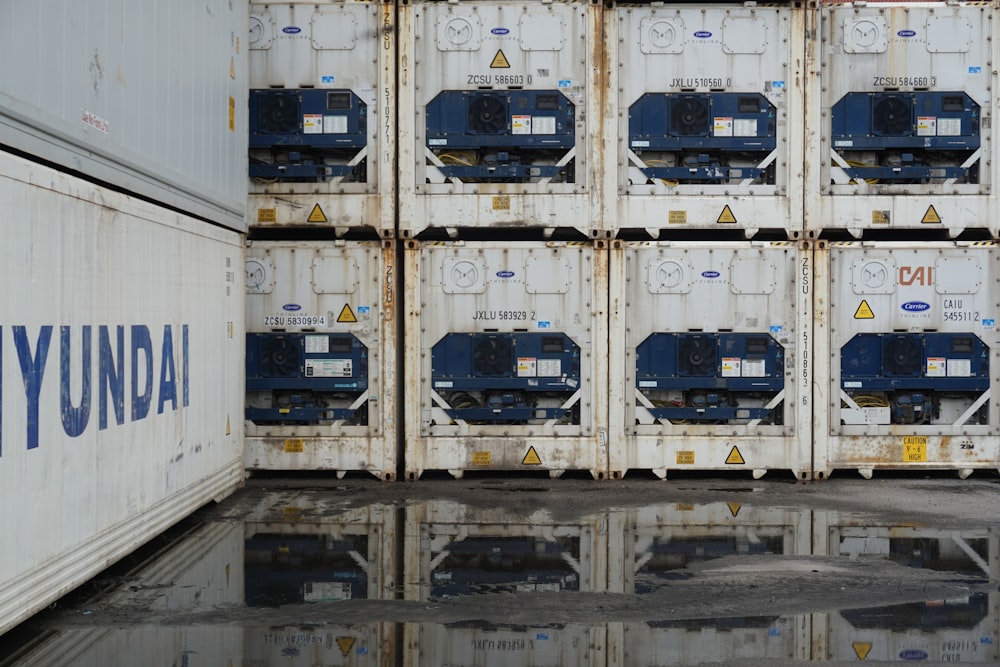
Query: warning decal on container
x=931, y=216
x=864, y=311
x=316, y=215
x=345, y=644
x=880, y=217
x=915, y=449
x=500, y=61
x=294, y=445
x=862, y=649
x=346, y=314
x=735, y=457
x=727, y=215
x=501, y=203
x=677, y=217
x=232, y=113
x=481, y=458
x=531, y=458
x=685, y=458
x=734, y=508
x=229, y=431
x=267, y=215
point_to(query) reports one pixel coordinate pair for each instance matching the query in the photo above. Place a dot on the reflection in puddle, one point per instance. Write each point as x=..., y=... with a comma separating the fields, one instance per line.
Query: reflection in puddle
x=295, y=579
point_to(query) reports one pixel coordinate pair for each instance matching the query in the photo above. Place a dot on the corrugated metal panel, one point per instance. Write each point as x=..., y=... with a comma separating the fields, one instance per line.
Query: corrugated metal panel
x=147, y=96
x=499, y=121
x=505, y=365
x=901, y=105
x=136, y=314
x=347, y=165
x=707, y=123
x=330, y=292
x=710, y=356
x=909, y=341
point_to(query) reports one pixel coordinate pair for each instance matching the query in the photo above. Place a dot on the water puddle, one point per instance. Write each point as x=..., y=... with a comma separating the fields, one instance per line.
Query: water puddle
x=299, y=578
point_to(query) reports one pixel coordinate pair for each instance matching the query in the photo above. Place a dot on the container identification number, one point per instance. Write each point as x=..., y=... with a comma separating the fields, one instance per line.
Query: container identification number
x=702, y=82
x=295, y=321
x=499, y=80
x=504, y=315
x=895, y=81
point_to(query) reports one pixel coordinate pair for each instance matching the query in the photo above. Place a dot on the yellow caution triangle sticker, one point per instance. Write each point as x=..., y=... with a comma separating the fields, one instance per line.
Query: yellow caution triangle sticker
x=317, y=215
x=861, y=649
x=931, y=216
x=229, y=431
x=734, y=508
x=531, y=458
x=346, y=314
x=735, y=457
x=345, y=644
x=727, y=215
x=864, y=311
x=500, y=61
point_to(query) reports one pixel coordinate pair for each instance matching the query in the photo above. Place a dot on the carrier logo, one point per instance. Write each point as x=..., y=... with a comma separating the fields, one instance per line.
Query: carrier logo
x=505, y=274
x=907, y=33
x=291, y=30
x=703, y=34
x=500, y=31
x=709, y=274
x=913, y=654
x=915, y=306
x=291, y=307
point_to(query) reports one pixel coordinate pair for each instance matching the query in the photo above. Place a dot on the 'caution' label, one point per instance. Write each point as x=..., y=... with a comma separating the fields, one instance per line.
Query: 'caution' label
x=500, y=61
x=931, y=217
x=317, y=215
x=531, y=458
x=345, y=644
x=864, y=311
x=862, y=649
x=726, y=217
x=735, y=458
x=267, y=215
x=346, y=314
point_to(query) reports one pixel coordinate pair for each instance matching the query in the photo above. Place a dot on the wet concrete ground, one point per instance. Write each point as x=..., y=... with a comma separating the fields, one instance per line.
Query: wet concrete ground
x=514, y=571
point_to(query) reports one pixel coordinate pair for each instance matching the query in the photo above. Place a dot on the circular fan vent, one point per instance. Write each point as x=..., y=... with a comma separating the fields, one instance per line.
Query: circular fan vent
x=487, y=114
x=493, y=356
x=279, y=113
x=902, y=356
x=697, y=356
x=279, y=357
x=689, y=117
x=892, y=116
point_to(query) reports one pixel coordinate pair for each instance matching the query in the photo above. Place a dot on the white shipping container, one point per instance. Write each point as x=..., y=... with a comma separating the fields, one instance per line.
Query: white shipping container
x=321, y=356
x=900, y=107
x=136, y=313
x=956, y=629
x=498, y=122
x=710, y=356
x=505, y=361
x=322, y=114
x=908, y=338
x=145, y=95
x=707, y=132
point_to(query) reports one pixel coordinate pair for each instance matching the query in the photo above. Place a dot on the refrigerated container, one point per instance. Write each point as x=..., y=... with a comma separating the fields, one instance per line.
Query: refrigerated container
x=499, y=115
x=144, y=96
x=322, y=115
x=321, y=366
x=907, y=347
x=505, y=366
x=710, y=365
x=706, y=131
x=900, y=103
x=121, y=331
